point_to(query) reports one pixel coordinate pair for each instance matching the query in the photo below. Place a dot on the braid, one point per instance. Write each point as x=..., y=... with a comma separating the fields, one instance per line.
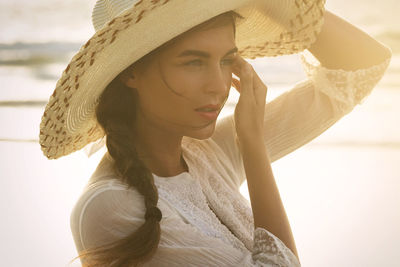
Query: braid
x=116, y=114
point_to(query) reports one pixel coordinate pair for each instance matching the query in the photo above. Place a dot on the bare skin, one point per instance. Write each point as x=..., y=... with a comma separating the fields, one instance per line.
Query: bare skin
x=341, y=45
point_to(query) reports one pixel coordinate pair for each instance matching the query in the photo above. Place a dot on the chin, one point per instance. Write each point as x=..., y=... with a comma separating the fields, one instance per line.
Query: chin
x=203, y=133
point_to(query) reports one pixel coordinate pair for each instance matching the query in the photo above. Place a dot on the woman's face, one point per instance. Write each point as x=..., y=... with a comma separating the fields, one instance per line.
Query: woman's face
x=183, y=89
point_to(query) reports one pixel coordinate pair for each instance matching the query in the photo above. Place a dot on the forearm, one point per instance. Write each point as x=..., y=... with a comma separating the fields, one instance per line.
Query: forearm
x=341, y=45
x=268, y=210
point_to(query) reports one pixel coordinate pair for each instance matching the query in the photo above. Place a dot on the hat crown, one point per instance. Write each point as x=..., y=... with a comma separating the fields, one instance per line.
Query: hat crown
x=105, y=10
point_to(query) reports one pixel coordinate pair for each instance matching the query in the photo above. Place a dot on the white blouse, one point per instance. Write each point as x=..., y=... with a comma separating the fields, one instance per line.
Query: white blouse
x=206, y=221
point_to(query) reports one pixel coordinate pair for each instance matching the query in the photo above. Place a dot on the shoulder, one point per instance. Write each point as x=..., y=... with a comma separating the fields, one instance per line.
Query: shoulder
x=101, y=211
x=107, y=211
x=104, y=196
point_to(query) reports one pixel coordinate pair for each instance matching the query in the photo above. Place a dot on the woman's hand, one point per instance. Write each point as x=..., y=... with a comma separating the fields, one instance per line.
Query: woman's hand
x=268, y=210
x=249, y=111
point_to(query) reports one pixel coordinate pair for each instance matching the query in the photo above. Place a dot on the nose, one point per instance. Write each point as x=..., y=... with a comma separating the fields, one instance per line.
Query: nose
x=219, y=80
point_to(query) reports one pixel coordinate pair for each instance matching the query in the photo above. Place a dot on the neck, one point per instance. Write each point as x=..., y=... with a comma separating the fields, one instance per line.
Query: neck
x=160, y=150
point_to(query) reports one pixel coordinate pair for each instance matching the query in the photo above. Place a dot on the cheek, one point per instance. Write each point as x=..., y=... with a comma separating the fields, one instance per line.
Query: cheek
x=183, y=83
x=158, y=99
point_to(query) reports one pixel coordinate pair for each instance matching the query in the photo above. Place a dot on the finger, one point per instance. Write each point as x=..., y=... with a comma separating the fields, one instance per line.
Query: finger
x=260, y=89
x=246, y=81
x=236, y=84
x=245, y=72
x=238, y=65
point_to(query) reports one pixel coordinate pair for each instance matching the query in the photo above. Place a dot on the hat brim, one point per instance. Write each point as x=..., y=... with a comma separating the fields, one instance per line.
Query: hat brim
x=269, y=28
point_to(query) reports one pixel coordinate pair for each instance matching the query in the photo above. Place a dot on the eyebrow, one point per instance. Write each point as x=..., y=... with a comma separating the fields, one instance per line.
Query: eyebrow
x=200, y=53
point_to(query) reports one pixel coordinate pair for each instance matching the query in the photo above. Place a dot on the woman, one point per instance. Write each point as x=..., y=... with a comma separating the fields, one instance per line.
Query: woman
x=153, y=80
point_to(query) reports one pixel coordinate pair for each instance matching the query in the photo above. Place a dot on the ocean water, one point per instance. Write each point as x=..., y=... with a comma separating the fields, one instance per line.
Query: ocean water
x=341, y=191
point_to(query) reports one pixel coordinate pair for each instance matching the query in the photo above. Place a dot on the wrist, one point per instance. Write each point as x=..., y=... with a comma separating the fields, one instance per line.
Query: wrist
x=250, y=141
x=253, y=147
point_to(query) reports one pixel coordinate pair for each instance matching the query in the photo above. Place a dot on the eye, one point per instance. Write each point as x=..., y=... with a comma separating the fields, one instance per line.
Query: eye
x=196, y=62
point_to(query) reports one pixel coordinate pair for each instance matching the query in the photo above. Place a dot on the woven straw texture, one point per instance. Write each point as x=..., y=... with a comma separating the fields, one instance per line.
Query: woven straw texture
x=270, y=28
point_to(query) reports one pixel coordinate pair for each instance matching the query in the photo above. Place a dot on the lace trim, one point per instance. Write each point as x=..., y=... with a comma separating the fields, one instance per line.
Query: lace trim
x=233, y=210
x=270, y=250
x=189, y=199
x=349, y=87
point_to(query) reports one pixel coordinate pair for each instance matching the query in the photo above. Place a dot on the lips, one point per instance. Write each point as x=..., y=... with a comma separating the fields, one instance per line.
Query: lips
x=208, y=108
x=209, y=112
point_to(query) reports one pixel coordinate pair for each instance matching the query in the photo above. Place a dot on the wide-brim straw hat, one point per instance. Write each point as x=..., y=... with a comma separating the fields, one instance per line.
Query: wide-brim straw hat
x=126, y=30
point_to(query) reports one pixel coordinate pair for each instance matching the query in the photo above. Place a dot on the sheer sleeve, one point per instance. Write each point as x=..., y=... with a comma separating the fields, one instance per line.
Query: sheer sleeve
x=350, y=88
x=113, y=213
x=303, y=113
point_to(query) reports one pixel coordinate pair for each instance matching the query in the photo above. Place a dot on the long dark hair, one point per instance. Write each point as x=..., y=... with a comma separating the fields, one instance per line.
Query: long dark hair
x=116, y=114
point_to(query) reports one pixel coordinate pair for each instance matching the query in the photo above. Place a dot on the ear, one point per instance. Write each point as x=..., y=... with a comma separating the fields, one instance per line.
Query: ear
x=129, y=78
